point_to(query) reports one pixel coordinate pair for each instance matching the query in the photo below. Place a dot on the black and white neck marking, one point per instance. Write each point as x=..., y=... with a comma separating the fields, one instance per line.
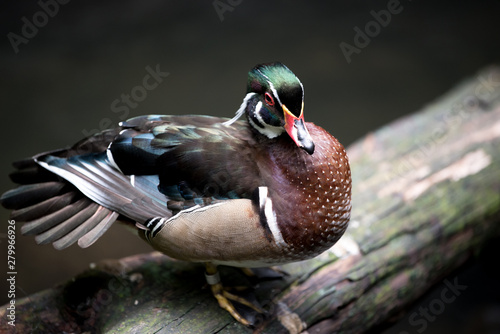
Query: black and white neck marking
x=256, y=120
x=255, y=117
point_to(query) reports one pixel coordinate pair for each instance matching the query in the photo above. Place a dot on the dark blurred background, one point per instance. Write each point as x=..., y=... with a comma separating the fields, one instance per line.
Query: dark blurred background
x=59, y=80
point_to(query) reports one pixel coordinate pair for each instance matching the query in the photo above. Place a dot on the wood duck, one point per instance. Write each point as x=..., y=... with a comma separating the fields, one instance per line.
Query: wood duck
x=263, y=191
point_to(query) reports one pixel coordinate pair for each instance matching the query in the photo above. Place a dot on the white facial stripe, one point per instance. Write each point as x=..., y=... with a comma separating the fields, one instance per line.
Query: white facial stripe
x=241, y=110
x=258, y=107
x=266, y=204
x=268, y=130
x=274, y=91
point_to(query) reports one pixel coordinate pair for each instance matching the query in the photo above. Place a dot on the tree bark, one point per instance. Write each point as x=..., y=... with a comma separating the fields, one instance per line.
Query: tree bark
x=426, y=197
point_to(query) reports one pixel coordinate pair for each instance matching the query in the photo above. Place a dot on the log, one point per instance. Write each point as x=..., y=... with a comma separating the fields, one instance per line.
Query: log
x=426, y=197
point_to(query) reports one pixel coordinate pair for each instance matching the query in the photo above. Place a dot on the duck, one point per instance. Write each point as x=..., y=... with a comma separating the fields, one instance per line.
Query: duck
x=261, y=189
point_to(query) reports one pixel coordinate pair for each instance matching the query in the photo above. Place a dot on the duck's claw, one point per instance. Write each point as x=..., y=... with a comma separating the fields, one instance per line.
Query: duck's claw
x=226, y=298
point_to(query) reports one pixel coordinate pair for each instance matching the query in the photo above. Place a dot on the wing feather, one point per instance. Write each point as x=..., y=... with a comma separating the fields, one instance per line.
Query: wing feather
x=152, y=166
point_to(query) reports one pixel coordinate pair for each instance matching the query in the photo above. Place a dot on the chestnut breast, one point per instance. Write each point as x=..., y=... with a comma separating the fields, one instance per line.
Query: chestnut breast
x=311, y=194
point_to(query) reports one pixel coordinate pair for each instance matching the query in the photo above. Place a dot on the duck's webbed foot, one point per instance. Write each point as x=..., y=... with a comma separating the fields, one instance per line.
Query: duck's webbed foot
x=227, y=299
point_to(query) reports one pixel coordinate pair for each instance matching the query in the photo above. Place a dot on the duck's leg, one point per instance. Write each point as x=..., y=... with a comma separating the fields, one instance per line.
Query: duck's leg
x=224, y=297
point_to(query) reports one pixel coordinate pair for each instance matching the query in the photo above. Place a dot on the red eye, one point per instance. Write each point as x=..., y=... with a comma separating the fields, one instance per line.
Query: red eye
x=269, y=99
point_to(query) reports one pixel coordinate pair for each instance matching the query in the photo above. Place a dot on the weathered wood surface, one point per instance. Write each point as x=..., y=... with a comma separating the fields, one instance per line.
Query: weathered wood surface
x=426, y=197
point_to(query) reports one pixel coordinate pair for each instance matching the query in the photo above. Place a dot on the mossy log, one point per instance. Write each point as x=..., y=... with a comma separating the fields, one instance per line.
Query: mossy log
x=426, y=197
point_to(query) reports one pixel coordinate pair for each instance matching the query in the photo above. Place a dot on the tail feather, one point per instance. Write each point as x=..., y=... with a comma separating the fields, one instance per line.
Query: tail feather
x=32, y=175
x=43, y=208
x=46, y=222
x=30, y=194
x=54, y=209
x=66, y=226
x=24, y=164
x=66, y=198
x=89, y=231
x=92, y=236
x=29, y=172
